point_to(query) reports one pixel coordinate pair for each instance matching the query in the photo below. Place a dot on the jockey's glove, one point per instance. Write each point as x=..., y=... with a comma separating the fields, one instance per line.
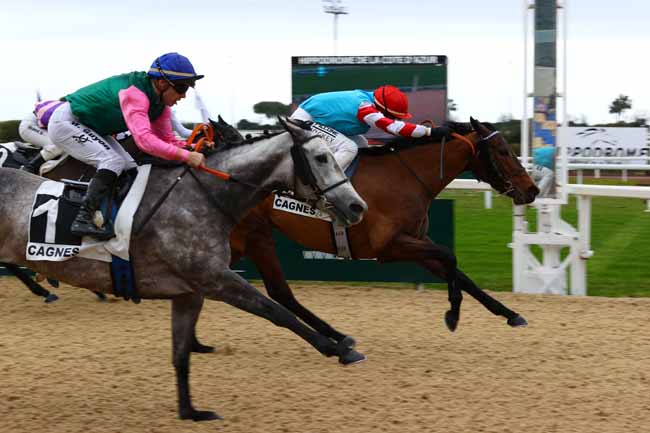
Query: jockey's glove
x=439, y=132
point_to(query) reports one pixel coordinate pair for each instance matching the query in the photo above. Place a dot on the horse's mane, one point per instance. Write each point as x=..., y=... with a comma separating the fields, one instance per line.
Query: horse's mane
x=397, y=144
x=401, y=143
x=250, y=139
x=231, y=149
x=464, y=128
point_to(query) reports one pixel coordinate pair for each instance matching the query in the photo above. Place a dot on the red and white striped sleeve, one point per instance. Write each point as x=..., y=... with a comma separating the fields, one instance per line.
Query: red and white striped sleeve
x=368, y=114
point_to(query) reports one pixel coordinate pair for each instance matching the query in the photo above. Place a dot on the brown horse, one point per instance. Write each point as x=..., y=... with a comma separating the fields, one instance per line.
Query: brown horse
x=398, y=183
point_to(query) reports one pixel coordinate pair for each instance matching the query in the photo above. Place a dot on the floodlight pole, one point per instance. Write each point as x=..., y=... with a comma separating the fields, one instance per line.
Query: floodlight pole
x=335, y=8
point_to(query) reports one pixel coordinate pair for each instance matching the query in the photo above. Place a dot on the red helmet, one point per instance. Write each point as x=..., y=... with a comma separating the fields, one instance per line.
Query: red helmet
x=393, y=101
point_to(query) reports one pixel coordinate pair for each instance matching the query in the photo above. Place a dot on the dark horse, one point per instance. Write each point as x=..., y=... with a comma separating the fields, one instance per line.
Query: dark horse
x=398, y=182
x=183, y=253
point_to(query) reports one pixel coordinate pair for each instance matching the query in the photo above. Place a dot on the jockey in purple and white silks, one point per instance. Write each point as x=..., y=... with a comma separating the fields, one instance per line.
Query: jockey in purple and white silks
x=32, y=131
x=138, y=101
x=342, y=117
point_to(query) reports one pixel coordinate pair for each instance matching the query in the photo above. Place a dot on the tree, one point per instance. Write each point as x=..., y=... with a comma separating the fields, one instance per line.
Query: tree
x=619, y=105
x=272, y=109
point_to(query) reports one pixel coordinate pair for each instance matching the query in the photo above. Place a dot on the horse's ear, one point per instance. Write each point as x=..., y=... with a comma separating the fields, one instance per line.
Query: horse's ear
x=220, y=119
x=297, y=133
x=478, y=127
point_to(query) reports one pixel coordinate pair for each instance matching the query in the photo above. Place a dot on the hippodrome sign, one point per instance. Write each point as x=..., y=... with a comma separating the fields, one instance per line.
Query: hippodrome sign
x=598, y=141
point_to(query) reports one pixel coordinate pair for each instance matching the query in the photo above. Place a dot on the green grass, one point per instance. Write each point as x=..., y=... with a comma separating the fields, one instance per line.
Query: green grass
x=620, y=238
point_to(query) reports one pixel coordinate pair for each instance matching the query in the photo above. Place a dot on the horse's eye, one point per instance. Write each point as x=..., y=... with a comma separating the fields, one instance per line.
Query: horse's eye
x=322, y=158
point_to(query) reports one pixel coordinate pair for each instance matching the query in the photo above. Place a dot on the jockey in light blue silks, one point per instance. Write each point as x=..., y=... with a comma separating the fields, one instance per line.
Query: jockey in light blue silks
x=342, y=118
x=542, y=170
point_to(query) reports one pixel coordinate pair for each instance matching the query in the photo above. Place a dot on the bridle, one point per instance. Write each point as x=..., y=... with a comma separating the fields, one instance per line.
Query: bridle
x=484, y=152
x=478, y=151
x=302, y=170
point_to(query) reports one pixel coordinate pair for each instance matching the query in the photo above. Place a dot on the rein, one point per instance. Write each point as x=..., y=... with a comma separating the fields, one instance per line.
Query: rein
x=305, y=177
x=442, y=149
x=507, y=184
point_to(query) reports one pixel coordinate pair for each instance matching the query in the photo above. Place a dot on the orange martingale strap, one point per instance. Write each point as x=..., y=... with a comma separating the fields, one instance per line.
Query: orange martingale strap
x=206, y=128
x=209, y=136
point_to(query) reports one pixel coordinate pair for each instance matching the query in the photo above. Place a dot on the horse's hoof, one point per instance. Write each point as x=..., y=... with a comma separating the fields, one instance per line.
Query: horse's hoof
x=201, y=348
x=517, y=322
x=201, y=415
x=101, y=297
x=352, y=357
x=54, y=283
x=348, y=342
x=451, y=321
x=50, y=298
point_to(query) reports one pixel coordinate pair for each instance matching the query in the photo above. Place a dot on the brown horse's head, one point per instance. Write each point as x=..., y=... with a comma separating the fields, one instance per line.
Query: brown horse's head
x=225, y=133
x=496, y=163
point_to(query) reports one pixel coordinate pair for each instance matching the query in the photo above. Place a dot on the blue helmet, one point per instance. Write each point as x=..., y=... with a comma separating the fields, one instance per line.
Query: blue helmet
x=173, y=67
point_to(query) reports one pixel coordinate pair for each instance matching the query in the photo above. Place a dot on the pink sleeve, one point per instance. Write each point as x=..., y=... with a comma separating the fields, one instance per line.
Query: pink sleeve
x=152, y=138
x=162, y=127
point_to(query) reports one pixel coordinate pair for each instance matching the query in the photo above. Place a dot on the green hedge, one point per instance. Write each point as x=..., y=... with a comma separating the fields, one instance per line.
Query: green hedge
x=9, y=131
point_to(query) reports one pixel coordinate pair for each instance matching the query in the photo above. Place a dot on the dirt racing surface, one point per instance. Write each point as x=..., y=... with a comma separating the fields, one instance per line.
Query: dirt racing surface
x=79, y=365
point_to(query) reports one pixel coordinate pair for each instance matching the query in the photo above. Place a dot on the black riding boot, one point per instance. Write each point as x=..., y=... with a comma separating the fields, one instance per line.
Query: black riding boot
x=34, y=164
x=100, y=187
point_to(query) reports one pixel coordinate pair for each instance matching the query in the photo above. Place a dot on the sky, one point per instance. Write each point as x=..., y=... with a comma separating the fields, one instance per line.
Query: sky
x=244, y=48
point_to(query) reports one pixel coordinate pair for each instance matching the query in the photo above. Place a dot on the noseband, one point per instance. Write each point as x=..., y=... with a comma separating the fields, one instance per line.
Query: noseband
x=483, y=147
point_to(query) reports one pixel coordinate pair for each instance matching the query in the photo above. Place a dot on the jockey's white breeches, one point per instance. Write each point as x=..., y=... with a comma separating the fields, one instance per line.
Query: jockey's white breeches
x=543, y=178
x=86, y=145
x=30, y=132
x=344, y=148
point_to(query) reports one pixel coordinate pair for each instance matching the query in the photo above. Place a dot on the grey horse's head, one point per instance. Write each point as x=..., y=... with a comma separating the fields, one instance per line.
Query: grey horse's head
x=320, y=176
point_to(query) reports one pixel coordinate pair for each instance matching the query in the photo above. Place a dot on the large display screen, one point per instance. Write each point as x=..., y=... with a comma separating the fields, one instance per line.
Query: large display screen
x=422, y=78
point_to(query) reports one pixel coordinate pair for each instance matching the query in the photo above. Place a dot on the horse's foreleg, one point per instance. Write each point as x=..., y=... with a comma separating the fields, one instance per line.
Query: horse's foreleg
x=32, y=285
x=494, y=306
x=437, y=259
x=197, y=347
x=185, y=312
x=236, y=291
x=260, y=249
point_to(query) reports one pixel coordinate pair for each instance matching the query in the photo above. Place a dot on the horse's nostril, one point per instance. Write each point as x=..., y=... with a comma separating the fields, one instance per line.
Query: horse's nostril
x=356, y=208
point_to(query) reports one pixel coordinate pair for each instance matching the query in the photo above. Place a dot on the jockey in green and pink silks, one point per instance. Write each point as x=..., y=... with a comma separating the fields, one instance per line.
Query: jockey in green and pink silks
x=83, y=122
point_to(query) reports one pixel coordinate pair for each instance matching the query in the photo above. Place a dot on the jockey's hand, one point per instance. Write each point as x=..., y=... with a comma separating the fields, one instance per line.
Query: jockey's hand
x=439, y=132
x=195, y=159
x=209, y=144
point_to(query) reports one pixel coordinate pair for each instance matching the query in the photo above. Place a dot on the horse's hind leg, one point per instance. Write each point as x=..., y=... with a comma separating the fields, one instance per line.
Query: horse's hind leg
x=260, y=249
x=185, y=312
x=494, y=306
x=237, y=292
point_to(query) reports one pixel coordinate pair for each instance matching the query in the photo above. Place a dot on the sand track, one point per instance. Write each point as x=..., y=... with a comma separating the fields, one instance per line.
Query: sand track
x=82, y=366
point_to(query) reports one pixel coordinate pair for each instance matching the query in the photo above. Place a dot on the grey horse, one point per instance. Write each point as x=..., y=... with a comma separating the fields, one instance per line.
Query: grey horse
x=183, y=252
